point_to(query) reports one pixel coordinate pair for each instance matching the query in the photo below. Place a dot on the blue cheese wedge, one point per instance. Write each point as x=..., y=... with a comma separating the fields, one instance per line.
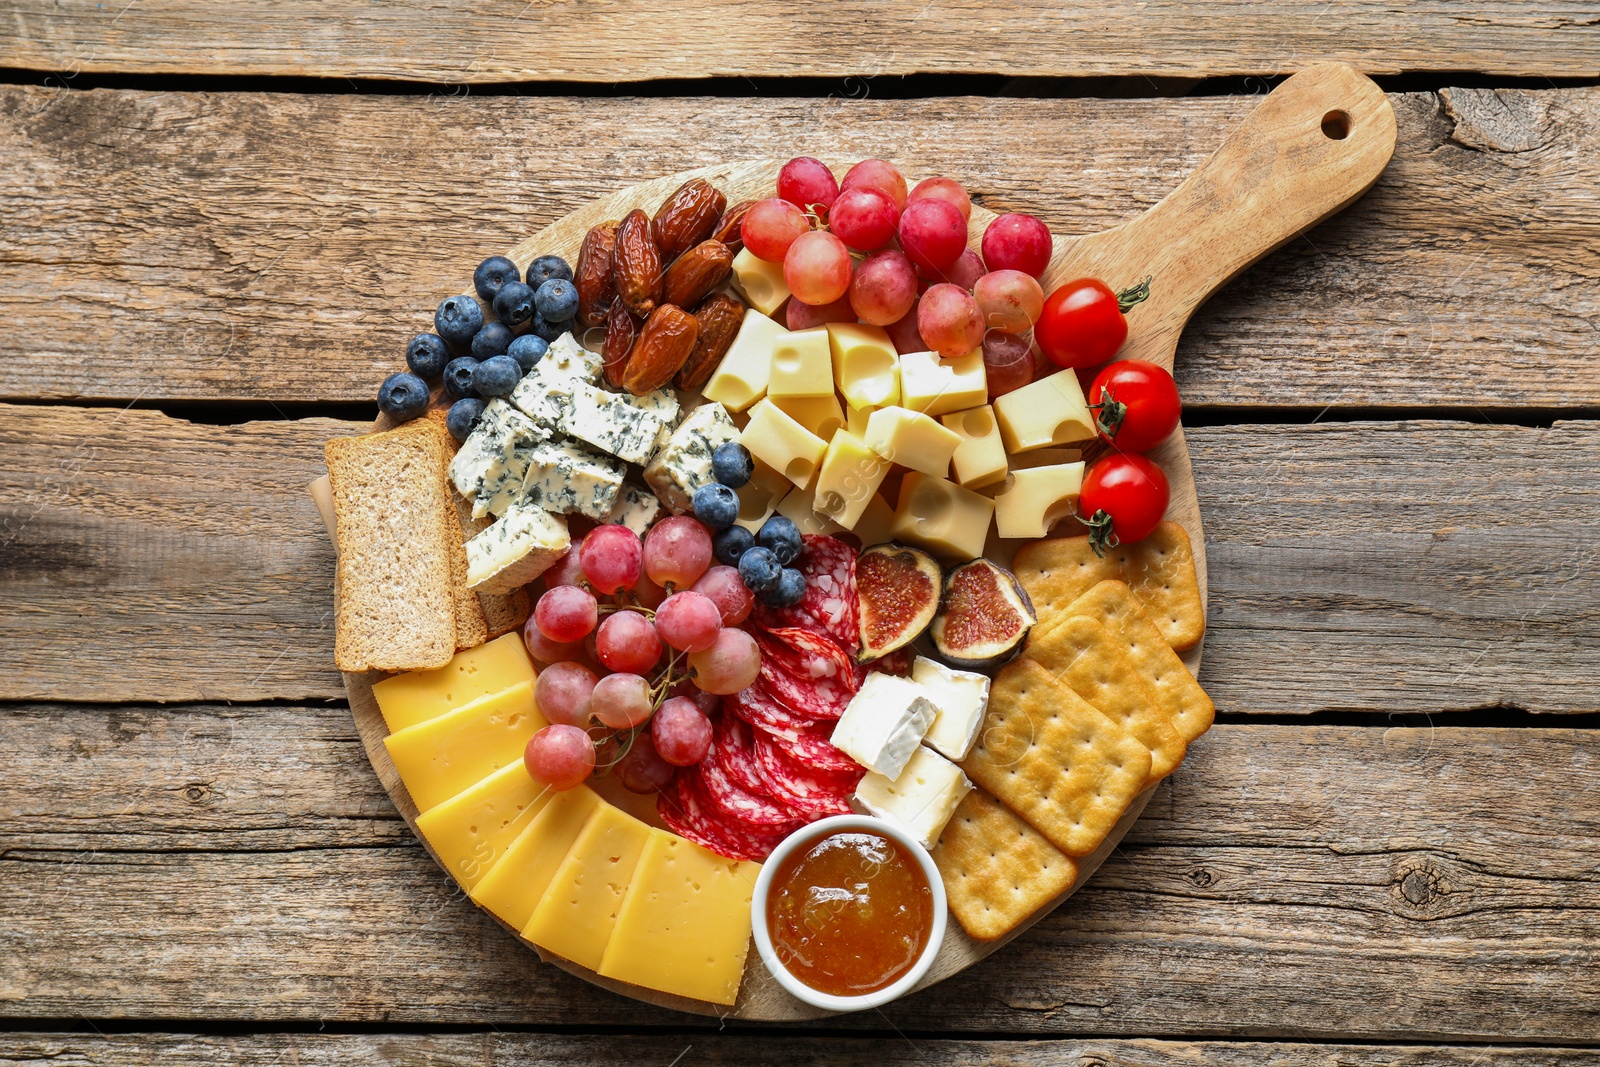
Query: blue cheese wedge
x=884, y=724
x=921, y=800
x=962, y=697
x=564, y=477
x=683, y=464
x=616, y=423
x=635, y=508
x=487, y=462
x=545, y=394
x=515, y=549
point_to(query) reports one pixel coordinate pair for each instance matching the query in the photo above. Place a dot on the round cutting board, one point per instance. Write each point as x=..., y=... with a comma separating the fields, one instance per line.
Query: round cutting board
x=1312, y=146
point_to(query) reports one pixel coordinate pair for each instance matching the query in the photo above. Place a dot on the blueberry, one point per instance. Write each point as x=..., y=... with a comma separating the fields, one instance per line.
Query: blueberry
x=492, y=275
x=544, y=268
x=760, y=570
x=492, y=340
x=782, y=537
x=528, y=350
x=730, y=544
x=403, y=396
x=426, y=355
x=458, y=377
x=546, y=330
x=557, y=300
x=791, y=586
x=514, y=303
x=463, y=417
x=716, y=505
x=731, y=464
x=496, y=376
x=458, y=318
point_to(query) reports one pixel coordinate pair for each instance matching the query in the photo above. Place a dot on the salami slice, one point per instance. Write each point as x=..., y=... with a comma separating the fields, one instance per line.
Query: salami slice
x=812, y=750
x=788, y=675
x=758, y=706
x=686, y=810
x=829, y=605
x=735, y=750
x=737, y=803
x=801, y=788
x=821, y=655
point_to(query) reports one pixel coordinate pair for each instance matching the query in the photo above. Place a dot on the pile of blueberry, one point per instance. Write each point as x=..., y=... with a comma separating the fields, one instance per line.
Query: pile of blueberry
x=763, y=557
x=481, y=358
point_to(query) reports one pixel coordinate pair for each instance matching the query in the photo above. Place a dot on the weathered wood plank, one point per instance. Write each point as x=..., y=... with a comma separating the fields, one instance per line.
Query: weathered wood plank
x=481, y=43
x=285, y=247
x=1399, y=567
x=1287, y=881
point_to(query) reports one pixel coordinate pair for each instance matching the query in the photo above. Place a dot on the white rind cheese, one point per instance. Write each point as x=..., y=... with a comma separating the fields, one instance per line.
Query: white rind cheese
x=884, y=724
x=683, y=464
x=921, y=799
x=514, y=550
x=962, y=697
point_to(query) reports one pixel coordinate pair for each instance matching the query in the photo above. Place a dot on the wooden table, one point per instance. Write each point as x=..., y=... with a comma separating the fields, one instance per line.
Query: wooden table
x=218, y=226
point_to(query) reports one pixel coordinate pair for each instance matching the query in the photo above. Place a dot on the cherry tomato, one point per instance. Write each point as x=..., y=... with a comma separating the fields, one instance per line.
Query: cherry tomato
x=1135, y=403
x=1123, y=499
x=1083, y=325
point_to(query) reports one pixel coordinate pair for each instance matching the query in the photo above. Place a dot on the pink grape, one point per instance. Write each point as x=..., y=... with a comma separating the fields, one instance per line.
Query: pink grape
x=562, y=693
x=612, y=558
x=677, y=551
x=644, y=594
x=949, y=320
x=1009, y=299
x=884, y=288
x=729, y=665
x=933, y=234
x=1017, y=242
x=568, y=570
x=817, y=268
x=641, y=769
x=880, y=175
x=943, y=189
x=808, y=184
x=566, y=613
x=689, y=621
x=728, y=592
x=544, y=650
x=802, y=316
x=1007, y=362
x=559, y=755
x=627, y=642
x=864, y=219
x=965, y=271
x=771, y=226
x=621, y=701
x=905, y=336
x=681, y=732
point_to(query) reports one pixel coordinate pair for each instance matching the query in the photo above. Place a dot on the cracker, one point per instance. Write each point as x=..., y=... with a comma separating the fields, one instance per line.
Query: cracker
x=1160, y=570
x=1049, y=756
x=997, y=869
x=1084, y=656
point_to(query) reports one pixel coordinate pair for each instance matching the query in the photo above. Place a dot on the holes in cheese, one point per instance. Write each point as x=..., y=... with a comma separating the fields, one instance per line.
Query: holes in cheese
x=759, y=282
x=865, y=364
x=801, y=365
x=940, y=516
x=849, y=479
x=855, y=420
x=822, y=415
x=578, y=911
x=439, y=758
x=912, y=439
x=937, y=386
x=514, y=885
x=782, y=443
x=1036, y=499
x=471, y=831
x=1051, y=411
x=980, y=459
x=741, y=378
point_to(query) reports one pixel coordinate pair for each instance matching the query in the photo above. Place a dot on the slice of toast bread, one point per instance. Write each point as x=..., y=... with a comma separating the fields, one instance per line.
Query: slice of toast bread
x=471, y=629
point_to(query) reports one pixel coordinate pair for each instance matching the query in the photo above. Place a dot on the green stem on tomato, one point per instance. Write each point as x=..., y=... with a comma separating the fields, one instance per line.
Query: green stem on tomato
x=1134, y=294
x=1101, y=535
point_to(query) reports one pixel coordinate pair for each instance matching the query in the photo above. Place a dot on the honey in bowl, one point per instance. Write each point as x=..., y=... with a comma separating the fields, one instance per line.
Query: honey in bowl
x=850, y=912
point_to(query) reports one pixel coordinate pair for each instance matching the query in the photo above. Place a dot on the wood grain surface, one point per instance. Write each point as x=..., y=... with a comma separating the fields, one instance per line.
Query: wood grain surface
x=280, y=247
x=478, y=43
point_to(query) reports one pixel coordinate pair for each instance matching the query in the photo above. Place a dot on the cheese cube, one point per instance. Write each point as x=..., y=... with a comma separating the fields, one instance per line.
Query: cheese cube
x=759, y=282
x=940, y=516
x=962, y=698
x=820, y=414
x=513, y=887
x=936, y=386
x=741, y=378
x=439, y=758
x=635, y=508
x=544, y=394
x=855, y=420
x=417, y=696
x=875, y=526
x=912, y=439
x=783, y=444
x=515, y=549
x=865, y=364
x=801, y=365
x=850, y=475
x=921, y=800
x=616, y=423
x=683, y=464
x=883, y=725
x=471, y=831
x=1036, y=499
x=564, y=477
x=757, y=503
x=578, y=911
x=487, y=464
x=980, y=459
x=1051, y=411
x=799, y=506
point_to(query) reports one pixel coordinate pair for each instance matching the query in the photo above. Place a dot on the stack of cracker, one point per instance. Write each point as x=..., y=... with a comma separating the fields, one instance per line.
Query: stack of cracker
x=1098, y=709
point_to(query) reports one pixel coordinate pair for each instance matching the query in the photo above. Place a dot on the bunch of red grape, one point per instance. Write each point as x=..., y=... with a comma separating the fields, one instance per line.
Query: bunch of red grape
x=865, y=249
x=638, y=641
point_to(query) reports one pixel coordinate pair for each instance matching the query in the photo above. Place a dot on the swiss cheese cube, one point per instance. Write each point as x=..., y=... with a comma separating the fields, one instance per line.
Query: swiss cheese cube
x=757, y=503
x=912, y=439
x=937, y=386
x=876, y=524
x=470, y=831
x=1051, y=411
x=759, y=282
x=801, y=365
x=940, y=516
x=741, y=378
x=579, y=908
x=799, y=506
x=980, y=459
x=783, y=444
x=849, y=479
x=439, y=758
x=855, y=420
x=417, y=696
x=865, y=364
x=513, y=887
x=1036, y=499
x=820, y=414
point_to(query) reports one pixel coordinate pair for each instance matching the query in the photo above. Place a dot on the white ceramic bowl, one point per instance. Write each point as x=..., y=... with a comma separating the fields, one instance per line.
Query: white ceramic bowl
x=758, y=913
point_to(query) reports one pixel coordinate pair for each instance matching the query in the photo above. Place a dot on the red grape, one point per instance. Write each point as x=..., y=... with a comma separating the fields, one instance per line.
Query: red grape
x=802, y=316
x=949, y=320
x=884, y=289
x=562, y=693
x=728, y=592
x=681, y=732
x=729, y=665
x=641, y=769
x=566, y=613
x=1009, y=299
x=1017, y=242
x=627, y=642
x=965, y=271
x=880, y=175
x=544, y=650
x=933, y=234
x=943, y=189
x=808, y=184
x=770, y=227
x=644, y=594
x=905, y=336
x=621, y=701
x=559, y=755
x=689, y=621
x=568, y=570
x=612, y=558
x=817, y=268
x=677, y=551
x=1007, y=362
x=864, y=219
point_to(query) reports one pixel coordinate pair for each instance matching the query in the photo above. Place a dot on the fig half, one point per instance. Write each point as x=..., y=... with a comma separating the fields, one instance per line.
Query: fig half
x=898, y=589
x=985, y=616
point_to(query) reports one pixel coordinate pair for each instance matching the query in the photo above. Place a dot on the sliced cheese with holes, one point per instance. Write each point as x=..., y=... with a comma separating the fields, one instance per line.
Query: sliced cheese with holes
x=980, y=459
x=912, y=439
x=513, y=887
x=741, y=378
x=849, y=479
x=417, y=696
x=937, y=386
x=471, y=831
x=578, y=911
x=801, y=365
x=1036, y=499
x=1051, y=411
x=759, y=282
x=782, y=443
x=940, y=516
x=865, y=364
x=439, y=758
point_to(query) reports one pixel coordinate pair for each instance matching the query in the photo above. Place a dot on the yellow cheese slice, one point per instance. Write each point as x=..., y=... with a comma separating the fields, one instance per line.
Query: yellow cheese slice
x=1051, y=411
x=470, y=831
x=980, y=459
x=801, y=365
x=850, y=475
x=741, y=378
x=800, y=508
x=1036, y=499
x=865, y=364
x=417, y=696
x=439, y=758
x=912, y=439
x=937, y=386
x=940, y=516
x=575, y=916
x=513, y=887
x=684, y=927
x=783, y=444
x=820, y=414
x=759, y=282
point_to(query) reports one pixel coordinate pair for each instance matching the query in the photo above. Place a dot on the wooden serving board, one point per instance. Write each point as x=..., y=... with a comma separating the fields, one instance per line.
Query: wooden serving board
x=1315, y=144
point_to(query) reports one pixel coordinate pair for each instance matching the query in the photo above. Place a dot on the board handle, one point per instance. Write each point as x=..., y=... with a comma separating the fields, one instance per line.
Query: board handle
x=1316, y=143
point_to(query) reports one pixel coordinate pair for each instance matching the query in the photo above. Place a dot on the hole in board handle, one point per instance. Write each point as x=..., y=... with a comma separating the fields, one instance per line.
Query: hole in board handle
x=1336, y=125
